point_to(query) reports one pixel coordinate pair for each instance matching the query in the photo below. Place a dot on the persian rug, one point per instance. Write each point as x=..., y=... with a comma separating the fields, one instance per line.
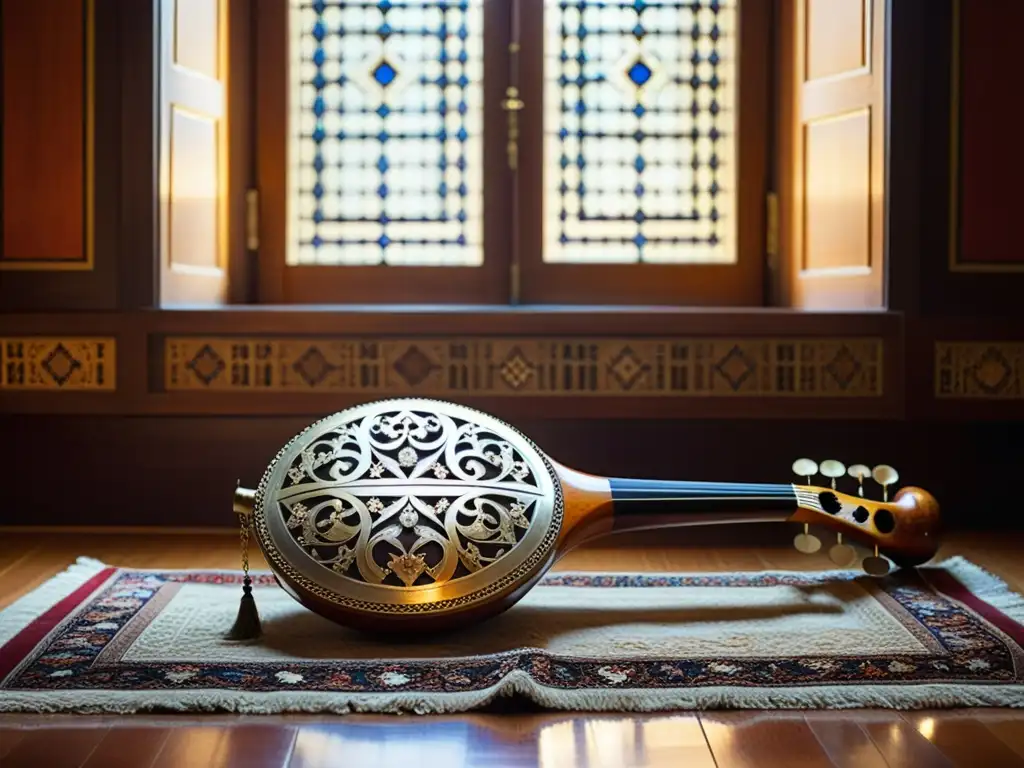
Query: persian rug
x=97, y=638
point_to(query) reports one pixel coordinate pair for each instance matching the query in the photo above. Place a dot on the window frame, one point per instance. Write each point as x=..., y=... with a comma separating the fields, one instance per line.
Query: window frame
x=513, y=270
x=488, y=283
x=737, y=284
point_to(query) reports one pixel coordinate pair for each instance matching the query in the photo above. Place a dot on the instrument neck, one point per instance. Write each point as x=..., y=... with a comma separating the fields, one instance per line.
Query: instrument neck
x=643, y=503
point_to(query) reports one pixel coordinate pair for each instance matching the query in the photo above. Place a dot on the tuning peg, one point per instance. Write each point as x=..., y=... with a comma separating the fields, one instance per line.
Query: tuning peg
x=875, y=565
x=842, y=554
x=832, y=469
x=885, y=476
x=806, y=542
x=805, y=468
x=859, y=471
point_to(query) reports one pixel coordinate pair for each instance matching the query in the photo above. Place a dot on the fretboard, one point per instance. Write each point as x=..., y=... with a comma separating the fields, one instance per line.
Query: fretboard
x=654, y=497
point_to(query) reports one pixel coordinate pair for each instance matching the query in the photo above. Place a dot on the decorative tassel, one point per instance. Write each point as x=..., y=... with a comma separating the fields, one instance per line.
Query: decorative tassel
x=247, y=624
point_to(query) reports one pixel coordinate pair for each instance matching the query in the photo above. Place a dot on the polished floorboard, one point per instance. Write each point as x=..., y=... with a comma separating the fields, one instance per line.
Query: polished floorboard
x=516, y=736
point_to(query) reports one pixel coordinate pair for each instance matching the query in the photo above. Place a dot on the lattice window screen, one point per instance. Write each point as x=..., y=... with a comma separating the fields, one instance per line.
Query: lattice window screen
x=640, y=131
x=385, y=149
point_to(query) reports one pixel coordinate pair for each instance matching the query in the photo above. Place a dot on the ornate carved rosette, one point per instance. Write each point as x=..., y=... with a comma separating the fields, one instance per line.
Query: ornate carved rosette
x=404, y=503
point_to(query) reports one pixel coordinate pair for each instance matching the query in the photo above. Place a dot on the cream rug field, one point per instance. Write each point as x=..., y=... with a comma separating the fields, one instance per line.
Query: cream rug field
x=98, y=638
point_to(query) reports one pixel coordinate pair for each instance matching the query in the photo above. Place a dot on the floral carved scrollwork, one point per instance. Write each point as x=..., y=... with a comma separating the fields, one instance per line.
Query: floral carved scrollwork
x=408, y=497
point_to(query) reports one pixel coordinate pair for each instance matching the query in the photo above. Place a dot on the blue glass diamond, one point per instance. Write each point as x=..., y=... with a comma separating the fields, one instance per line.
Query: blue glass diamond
x=319, y=6
x=318, y=106
x=639, y=110
x=318, y=190
x=383, y=136
x=639, y=164
x=319, y=57
x=462, y=135
x=318, y=216
x=639, y=73
x=638, y=31
x=319, y=134
x=319, y=81
x=318, y=164
x=384, y=5
x=461, y=216
x=461, y=239
x=319, y=30
x=382, y=164
x=640, y=240
x=384, y=241
x=383, y=110
x=384, y=31
x=384, y=73
x=442, y=189
x=382, y=191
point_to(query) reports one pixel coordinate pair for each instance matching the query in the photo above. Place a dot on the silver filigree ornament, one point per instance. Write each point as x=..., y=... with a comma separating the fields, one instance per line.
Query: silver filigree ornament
x=406, y=494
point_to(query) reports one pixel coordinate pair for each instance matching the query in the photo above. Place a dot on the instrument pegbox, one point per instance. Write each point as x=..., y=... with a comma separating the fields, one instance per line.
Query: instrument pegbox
x=806, y=542
x=841, y=554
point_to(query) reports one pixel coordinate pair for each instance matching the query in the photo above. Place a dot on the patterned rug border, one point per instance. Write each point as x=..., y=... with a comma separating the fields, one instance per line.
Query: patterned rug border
x=983, y=585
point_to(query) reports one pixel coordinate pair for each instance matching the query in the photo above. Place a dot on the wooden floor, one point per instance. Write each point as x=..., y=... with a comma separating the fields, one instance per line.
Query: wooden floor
x=970, y=738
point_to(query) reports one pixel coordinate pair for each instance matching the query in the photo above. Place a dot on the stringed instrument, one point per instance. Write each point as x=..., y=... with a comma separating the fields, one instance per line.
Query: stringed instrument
x=418, y=514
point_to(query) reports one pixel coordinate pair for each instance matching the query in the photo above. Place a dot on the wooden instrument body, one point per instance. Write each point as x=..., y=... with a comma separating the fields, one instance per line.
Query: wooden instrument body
x=566, y=508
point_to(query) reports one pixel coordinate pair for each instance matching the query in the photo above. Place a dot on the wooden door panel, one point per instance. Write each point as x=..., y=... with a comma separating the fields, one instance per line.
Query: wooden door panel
x=832, y=154
x=193, y=225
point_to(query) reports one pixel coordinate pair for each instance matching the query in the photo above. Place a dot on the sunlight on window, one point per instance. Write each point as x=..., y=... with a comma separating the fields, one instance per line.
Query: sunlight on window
x=640, y=130
x=385, y=133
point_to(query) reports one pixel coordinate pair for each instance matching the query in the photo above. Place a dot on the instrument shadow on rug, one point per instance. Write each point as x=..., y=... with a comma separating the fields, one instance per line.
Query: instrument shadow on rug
x=415, y=515
x=104, y=639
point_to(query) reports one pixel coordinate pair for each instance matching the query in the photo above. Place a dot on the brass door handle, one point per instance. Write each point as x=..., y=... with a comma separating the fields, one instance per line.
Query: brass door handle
x=513, y=105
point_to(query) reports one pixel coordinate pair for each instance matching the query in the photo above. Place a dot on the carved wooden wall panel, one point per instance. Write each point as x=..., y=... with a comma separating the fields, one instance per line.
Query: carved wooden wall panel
x=58, y=364
x=547, y=367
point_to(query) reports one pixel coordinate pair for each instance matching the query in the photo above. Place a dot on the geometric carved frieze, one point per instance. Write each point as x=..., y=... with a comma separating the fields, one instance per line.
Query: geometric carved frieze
x=529, y=366
x=979, y=369
x=58, y=364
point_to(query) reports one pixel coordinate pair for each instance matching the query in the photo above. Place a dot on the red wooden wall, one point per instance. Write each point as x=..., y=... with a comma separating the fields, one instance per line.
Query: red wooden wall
x=44, y=130
x=991, y=149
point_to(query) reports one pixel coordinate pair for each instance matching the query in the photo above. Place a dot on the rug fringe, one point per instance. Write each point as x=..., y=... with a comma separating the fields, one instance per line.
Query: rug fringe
x=909, y=697
x=986, y=586
x=29, y=606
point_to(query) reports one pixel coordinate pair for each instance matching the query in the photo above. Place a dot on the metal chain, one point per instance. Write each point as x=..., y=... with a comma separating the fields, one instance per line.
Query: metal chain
x=244, y=540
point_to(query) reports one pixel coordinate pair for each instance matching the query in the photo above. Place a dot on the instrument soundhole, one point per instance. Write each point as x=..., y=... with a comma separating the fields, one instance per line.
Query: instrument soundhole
x=830, y=502
x=884, y=521
x=861, y=515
